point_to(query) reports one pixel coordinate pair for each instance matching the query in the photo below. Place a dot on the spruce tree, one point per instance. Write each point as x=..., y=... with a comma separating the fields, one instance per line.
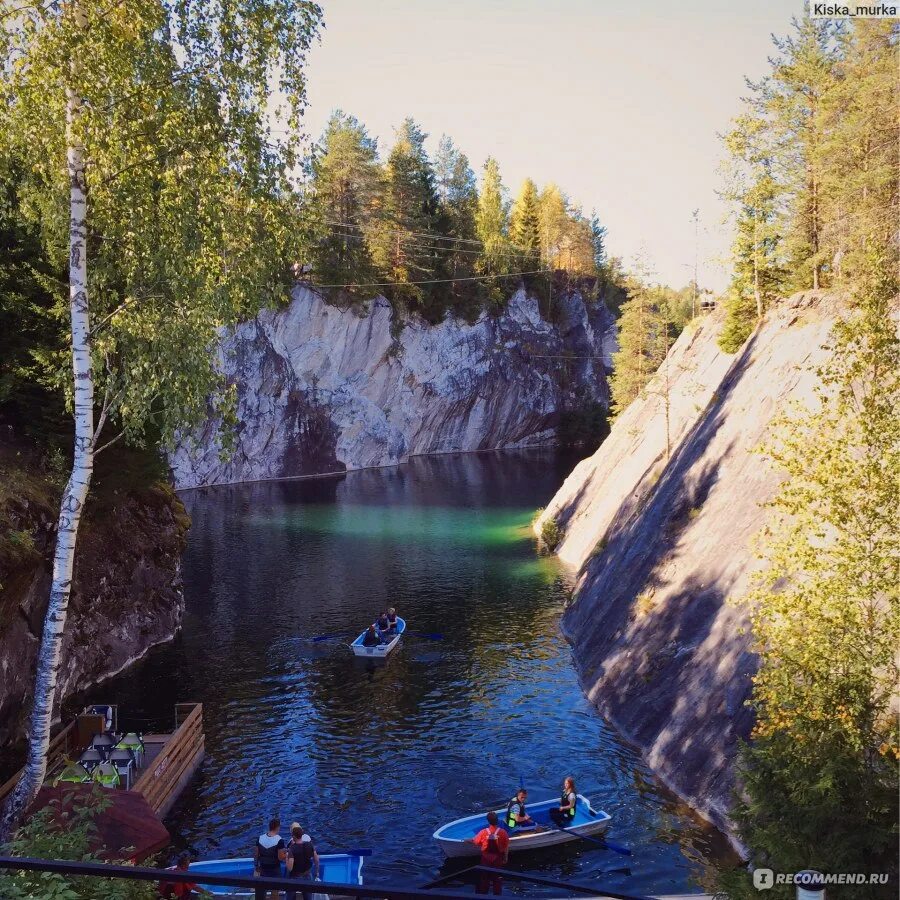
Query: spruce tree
x=525, y=224
x=554, y=222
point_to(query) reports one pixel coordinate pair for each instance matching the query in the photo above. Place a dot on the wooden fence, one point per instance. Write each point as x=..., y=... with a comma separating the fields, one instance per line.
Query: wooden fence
x=179, y=758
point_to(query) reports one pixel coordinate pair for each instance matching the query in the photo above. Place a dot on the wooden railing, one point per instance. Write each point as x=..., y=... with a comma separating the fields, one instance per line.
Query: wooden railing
x=63, y=747
x=176, y=762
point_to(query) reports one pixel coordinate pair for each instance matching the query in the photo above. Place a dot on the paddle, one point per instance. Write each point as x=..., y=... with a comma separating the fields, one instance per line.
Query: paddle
x=429, y=636
x=359, y=851
x=328, y=637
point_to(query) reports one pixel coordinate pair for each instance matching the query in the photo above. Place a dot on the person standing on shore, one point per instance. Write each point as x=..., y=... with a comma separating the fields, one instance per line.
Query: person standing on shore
x=268, y=855
x=302, y=860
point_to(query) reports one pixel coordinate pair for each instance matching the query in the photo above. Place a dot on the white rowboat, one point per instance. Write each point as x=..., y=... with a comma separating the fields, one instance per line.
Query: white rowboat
x=454, y=836
x=379, y=651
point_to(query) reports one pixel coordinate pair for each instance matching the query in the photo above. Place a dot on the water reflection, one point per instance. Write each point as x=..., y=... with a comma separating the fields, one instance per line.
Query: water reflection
x=380, y=756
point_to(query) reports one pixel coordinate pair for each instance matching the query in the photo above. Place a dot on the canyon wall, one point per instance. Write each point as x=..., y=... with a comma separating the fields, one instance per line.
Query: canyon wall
x=324, y=389
x=126, y=591
x=662, y=544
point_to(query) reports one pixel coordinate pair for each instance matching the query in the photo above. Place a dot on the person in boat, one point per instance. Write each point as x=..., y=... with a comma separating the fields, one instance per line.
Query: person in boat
x=564, y=815
x=383, y=624
x=371, y=638
x=516, y=814
x=493, y=842
x=302, y=860
x=392, y=620
x=181, y=889
x=268, y=855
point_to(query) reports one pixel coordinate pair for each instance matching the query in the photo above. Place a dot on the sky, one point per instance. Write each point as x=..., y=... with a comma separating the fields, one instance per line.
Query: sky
x=620, y=103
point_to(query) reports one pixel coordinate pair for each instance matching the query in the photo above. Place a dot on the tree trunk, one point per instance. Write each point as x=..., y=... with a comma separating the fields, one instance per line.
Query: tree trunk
x=756, y=291
x=76, y=491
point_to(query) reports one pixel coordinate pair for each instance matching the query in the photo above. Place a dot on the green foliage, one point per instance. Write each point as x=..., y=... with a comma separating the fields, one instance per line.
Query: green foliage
x=551, y=534
x=191, y=207
x=66, y=830
x=492, y=221
x=345, y=201
x=812, y=161
x=740, y=320
x=647, y=329
x=525, y=225
x=821, y=773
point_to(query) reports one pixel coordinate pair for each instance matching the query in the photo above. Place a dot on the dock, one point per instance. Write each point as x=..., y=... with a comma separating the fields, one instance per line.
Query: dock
x=168, y=761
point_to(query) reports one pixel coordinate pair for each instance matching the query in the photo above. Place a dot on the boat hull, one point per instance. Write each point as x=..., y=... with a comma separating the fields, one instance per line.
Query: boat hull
x=453, y=837
x=334, y=868
x=381, y=650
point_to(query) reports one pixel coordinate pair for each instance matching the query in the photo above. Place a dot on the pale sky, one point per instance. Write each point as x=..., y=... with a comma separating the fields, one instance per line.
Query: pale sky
x=620, y=103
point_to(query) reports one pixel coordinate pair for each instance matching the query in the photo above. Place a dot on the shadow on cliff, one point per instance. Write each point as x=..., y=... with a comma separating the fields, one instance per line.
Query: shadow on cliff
x=657, y=666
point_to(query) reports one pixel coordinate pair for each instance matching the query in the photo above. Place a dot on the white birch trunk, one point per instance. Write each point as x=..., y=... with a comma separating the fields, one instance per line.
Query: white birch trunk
x=76, y=491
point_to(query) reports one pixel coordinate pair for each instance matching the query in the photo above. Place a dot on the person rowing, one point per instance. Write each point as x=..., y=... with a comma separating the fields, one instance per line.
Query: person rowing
x=516, y=814
x=382, y=623
x=564, y=815
x=371, y=637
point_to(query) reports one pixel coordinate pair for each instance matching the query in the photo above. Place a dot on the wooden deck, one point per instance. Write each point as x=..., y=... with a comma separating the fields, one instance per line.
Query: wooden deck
x=170, y=760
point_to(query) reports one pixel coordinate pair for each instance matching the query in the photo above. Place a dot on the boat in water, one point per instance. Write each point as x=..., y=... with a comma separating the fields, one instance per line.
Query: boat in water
x=334, y=868
x=454, y=836
x=379, y=651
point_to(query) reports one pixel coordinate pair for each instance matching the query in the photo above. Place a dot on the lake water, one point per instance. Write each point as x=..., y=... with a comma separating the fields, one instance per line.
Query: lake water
x=380, y=757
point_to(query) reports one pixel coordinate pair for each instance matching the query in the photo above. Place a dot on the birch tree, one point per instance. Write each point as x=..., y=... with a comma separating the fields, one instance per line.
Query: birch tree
x=153, y=167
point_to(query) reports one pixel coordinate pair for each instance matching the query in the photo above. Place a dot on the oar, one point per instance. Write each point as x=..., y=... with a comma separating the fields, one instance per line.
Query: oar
x=429, y=636
x=617, y=848
x=328, y=637
x=360, y=851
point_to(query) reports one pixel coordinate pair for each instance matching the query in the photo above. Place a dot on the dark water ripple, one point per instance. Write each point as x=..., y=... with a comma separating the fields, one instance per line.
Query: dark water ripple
x=381, y=757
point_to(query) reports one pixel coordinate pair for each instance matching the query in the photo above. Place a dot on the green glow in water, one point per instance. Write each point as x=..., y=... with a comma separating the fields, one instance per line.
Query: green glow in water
x=423, y=525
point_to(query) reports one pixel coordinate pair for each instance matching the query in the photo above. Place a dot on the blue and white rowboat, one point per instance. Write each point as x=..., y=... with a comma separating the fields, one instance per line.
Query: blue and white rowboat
x=380, y=651
x=335, y=868
x=453, y=836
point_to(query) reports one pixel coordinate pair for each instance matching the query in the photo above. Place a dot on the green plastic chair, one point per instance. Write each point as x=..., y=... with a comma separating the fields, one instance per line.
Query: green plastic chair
x=73, y=773
x=132, y=741
x=107, y=775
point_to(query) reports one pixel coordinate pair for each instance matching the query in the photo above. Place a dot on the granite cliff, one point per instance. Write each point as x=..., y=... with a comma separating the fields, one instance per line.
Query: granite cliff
x=662, y=544
x=126, y=591
x=324, y=389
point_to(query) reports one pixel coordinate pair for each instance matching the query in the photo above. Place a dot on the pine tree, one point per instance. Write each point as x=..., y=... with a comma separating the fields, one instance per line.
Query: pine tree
x=858, y=150
x=794, y=98
x=400, y=241
x=645, y=335
x=346, y=186
x=458, y=194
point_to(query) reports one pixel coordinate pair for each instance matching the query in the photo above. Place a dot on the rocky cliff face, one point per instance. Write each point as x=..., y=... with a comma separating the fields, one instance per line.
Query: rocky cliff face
x=662, y=544
x=126, y=593
x=321, y=389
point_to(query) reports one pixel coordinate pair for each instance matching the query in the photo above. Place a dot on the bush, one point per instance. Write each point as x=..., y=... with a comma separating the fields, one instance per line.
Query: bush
x=551, y=534
x=65, y=829
x=740, y=320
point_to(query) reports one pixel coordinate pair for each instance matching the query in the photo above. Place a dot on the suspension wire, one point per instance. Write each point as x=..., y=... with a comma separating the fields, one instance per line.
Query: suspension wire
x=436, y=280
x=423, y=246
x=429, y=234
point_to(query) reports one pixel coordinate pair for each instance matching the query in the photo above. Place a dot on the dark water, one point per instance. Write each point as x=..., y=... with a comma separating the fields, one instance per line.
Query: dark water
x=381, y=757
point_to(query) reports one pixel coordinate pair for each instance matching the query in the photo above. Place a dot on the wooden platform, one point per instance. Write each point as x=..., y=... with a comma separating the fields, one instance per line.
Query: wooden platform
x=170, y=759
